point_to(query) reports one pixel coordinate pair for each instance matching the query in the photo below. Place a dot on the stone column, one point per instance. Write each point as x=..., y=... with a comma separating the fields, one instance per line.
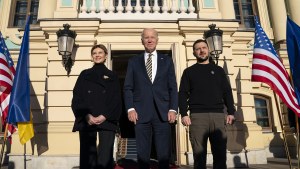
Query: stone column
x=293, y=6
x=227, y=9
x=46, y=8
x=278, y=19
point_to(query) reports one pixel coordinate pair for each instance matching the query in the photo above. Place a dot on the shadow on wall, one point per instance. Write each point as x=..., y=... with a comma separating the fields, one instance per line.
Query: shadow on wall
x=238, y=162
x=5, y=160
x=237, y=133
x=11, y=165
x=277, y=146
x=40, y=121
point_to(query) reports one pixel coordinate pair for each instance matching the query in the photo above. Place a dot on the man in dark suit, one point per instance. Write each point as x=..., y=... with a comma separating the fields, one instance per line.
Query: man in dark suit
x=151, y=99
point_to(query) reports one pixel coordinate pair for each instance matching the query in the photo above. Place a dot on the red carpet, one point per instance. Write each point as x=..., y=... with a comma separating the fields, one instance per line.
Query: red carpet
x=135, y=167
x=131, y=164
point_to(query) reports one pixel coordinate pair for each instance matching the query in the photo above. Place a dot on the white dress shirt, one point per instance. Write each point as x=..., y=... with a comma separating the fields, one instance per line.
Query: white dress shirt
x=154, y=63
x=154, y=69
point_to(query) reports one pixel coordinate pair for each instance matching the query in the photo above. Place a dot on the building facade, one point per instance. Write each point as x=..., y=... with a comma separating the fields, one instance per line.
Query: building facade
x=257, y=133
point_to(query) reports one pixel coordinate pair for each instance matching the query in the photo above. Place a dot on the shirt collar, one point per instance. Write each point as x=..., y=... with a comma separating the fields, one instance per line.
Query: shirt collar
x=154, y=53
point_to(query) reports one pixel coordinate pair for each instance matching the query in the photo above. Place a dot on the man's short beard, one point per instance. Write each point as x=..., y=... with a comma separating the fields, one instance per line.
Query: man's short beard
x=201, y=60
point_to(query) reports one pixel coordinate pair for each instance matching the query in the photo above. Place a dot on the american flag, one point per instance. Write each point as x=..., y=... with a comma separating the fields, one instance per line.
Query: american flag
x=7, y=72
x=267, y=67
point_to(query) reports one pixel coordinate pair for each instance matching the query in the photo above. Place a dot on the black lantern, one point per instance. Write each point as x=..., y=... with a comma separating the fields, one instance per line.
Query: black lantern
x=66, y=40
x=214, y=40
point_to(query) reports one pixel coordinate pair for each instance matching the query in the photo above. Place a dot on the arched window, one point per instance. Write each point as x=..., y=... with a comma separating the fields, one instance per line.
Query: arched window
x=264, y=117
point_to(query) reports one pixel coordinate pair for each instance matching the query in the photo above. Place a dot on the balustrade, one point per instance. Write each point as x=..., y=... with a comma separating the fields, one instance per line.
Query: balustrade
x=137, y=9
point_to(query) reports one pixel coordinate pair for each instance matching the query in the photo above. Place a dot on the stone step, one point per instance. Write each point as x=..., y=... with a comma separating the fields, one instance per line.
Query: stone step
x=281, y=161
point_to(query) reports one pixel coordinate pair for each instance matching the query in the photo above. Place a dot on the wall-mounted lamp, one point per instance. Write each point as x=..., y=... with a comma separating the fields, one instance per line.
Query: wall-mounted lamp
x=214, y=40
x=66, y=40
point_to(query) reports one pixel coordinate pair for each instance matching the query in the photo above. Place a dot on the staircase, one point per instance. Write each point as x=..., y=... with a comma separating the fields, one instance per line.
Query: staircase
x=127, y=149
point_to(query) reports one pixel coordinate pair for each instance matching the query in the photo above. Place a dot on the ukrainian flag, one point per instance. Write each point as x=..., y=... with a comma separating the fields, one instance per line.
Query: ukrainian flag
x=19, y=108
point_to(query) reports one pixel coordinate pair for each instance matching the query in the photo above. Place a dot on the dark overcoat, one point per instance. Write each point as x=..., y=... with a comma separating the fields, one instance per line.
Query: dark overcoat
x=97, y=93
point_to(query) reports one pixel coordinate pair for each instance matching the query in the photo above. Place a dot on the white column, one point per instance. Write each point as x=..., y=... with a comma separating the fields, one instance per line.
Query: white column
x=147, y=7
x=111, y=7
x=83, y=7
x=165, y=7
x=227, y=9
x=278, y=18
x=101, y=6
x=294, y=10
x=120, y=7
x=129, y=7
x=155, y=7
x=174, y=7
x=93, y=7
x=182, y=7
x=191, y=8
x=138, y=7
x=46, y=8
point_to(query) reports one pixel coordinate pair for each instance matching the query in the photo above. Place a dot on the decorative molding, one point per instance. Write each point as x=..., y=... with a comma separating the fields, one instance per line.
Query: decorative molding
x=11, y=45
x=66, y=3
x=208, y=3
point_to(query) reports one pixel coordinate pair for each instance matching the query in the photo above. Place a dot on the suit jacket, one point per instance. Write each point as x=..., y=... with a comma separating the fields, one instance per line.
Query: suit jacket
x=97, y=94
x=140, y=92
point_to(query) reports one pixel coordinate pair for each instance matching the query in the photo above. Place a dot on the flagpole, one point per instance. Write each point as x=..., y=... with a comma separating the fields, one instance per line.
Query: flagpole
x=25, y=156
x=297, y=128
x=3, y=145
x=283, y=132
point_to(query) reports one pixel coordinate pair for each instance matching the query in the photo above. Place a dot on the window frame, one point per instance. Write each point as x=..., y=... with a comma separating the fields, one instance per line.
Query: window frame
x=13, y=12
x=269, y=112
x=241, y=14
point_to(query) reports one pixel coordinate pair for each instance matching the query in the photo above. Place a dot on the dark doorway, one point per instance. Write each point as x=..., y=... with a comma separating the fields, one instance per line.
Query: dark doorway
x=119, y=65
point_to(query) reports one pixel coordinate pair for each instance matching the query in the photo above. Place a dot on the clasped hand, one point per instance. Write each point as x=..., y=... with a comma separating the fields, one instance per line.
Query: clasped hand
x=91, y=120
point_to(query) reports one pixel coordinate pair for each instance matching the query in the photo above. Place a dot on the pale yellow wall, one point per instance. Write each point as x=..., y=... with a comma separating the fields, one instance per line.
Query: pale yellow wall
x=66, y=12
x=227, y=9
x=52, y=88
x=209, y=12
x=278, y=15
x=293, y=6
x=46, y=8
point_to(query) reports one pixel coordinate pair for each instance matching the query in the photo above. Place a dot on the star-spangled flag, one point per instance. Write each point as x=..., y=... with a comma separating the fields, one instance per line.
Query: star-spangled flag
x=267, y=67
x=7, y=72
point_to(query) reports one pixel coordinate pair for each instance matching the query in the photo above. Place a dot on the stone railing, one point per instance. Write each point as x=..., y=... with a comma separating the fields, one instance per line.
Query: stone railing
x=137, y=9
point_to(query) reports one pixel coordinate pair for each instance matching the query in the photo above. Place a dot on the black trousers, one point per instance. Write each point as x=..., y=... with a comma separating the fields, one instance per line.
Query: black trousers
x=160, y=131
x=93, y=157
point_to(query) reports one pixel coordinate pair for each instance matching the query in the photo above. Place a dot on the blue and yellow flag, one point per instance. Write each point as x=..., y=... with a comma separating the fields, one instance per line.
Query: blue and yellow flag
x=19, y=108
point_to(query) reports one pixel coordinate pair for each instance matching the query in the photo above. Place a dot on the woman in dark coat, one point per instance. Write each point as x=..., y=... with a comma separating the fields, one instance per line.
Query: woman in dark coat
x=97, y=107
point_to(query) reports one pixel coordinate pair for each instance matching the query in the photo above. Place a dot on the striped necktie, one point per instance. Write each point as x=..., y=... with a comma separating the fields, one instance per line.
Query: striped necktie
x=149, y=66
